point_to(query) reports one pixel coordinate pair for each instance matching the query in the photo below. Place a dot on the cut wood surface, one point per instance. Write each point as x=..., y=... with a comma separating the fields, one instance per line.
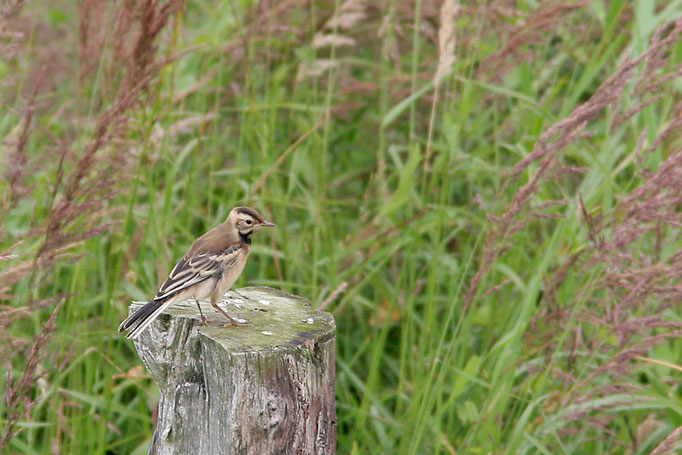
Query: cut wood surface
x=264, y=388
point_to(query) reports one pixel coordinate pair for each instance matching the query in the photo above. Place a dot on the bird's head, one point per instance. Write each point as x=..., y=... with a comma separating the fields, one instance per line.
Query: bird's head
x=247, y=221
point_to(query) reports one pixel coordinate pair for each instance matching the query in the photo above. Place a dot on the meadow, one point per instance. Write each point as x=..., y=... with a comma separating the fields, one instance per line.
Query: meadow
x=485, y=195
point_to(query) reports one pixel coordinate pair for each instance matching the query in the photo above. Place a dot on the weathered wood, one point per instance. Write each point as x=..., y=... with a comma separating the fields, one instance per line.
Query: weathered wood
x=266, y=388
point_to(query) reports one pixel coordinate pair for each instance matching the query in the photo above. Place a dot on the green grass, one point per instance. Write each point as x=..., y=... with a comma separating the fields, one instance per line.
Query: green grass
x=419, y=368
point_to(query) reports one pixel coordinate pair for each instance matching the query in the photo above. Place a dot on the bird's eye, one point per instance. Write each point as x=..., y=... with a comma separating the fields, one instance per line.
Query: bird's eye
x=249, y=222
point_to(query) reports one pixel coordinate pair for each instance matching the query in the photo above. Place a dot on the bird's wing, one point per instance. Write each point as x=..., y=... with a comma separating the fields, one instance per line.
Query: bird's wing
x=190, y=271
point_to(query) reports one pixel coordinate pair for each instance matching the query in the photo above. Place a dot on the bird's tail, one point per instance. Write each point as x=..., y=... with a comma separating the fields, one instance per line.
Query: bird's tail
x=140, y=320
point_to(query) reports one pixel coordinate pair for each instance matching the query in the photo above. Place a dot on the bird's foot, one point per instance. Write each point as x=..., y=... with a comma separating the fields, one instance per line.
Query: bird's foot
x=236, y=322
x=205, y=320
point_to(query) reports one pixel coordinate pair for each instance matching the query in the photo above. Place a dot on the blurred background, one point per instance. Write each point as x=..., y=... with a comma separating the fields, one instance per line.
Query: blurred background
x=486, y=195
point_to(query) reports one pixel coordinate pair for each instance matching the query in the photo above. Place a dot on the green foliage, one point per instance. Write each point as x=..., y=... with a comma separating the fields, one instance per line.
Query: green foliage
x=377, y=193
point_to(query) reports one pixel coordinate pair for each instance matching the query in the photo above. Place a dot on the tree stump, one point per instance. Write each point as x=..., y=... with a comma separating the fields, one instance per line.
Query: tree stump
x=265, y=388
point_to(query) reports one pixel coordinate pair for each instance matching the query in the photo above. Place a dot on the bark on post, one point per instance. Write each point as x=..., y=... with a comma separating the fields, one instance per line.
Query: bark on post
x=267, y=388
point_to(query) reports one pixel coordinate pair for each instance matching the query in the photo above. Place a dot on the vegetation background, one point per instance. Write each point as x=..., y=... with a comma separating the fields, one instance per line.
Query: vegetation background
x=486, y=195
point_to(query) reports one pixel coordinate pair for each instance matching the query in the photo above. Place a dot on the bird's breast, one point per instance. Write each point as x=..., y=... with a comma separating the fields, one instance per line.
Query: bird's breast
x=231, y=273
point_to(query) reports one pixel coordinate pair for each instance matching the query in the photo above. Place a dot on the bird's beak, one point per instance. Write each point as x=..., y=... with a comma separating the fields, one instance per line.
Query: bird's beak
x=267, y=224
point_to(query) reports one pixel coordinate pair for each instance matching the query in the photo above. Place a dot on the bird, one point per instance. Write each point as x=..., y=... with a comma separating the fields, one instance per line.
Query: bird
x=209, y=269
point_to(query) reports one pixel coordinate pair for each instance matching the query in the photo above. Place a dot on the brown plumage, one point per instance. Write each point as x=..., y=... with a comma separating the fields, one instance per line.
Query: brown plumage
x=209, y=269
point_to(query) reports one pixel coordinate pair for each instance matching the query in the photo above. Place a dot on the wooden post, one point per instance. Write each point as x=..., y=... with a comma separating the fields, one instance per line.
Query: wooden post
x=266, y=388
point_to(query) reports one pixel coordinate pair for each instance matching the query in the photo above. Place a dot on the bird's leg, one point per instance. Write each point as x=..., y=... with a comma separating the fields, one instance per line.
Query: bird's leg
x=214, y=303
x=204, y=319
